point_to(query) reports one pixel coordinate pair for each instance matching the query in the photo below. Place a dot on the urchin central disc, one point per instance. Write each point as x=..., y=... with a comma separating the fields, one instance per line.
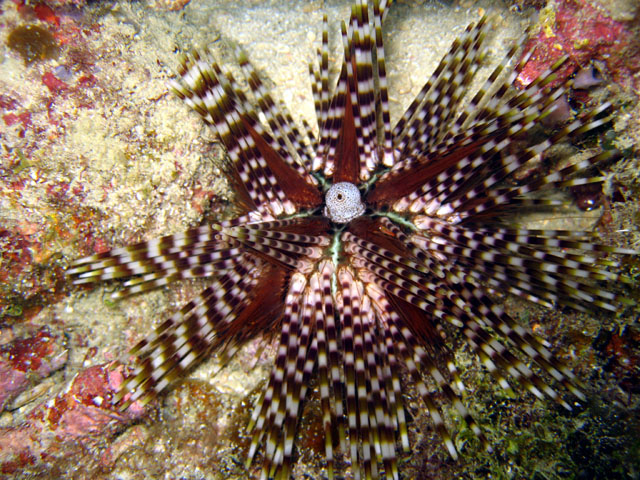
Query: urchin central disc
x=343, y=203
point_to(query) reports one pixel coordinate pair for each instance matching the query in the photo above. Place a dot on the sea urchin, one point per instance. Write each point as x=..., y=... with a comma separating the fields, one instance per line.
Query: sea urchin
x=366, y=246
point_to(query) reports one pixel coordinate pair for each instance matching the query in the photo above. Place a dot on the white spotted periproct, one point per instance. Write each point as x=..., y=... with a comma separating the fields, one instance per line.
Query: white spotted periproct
x=342, y=202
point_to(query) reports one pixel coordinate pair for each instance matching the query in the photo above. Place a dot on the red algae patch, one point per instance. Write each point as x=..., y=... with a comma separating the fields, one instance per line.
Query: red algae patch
x=585, y=33
x=59, y=430
x=26, y=360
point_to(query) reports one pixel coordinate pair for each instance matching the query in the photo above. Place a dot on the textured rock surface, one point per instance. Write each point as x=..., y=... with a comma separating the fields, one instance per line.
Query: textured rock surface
x=95, y=153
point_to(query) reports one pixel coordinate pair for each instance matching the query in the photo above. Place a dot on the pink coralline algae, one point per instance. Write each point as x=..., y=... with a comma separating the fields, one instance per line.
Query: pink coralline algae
x=585, y=33
x=79, y=416
x=27, y=360
x=12, y=118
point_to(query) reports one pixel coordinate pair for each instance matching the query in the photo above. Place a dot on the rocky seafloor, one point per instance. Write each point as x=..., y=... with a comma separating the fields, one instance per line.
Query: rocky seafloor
x=96, y=153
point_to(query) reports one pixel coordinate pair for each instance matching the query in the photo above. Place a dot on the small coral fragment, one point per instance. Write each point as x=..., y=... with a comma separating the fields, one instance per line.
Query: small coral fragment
x=171, y=5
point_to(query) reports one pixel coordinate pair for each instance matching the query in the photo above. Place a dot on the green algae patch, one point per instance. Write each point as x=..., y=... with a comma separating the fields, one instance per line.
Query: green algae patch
x=33, y=43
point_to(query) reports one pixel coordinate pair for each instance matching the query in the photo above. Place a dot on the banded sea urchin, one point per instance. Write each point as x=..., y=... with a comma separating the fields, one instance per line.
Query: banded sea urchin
x=368, y=245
